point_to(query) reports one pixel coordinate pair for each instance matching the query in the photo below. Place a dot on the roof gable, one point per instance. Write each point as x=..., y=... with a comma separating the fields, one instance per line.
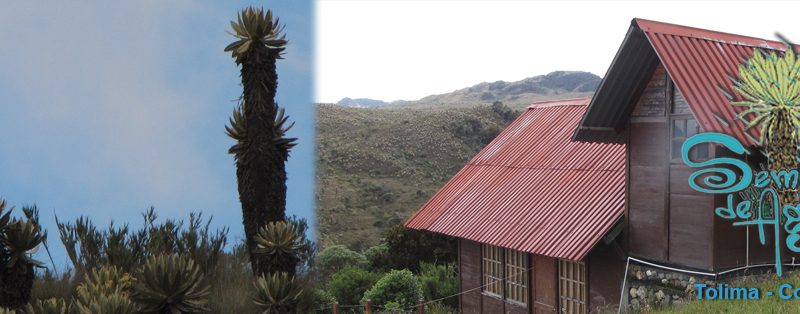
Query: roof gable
x=700, y=63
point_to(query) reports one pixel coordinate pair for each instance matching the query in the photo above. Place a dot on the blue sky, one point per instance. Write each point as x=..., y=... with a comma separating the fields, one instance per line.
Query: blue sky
x=109, y=108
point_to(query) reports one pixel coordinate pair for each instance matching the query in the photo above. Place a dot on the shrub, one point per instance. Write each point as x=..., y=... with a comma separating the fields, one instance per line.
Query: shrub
x=105, y=290
x=349, y=284
x=17, y=238
x=504, y=112
x=337, y=257
x=48, y=306
x=321, y=303
x=171, y=284
x=439, y=281
x=283, y=245
x=89, y=247
x=116, y=303
x=277, y=293
x=409, y=247
x=400, y=286
x=51, y=285
x=378, y=258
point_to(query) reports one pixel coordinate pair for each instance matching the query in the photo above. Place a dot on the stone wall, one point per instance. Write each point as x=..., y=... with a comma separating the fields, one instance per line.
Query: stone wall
x=649, y=288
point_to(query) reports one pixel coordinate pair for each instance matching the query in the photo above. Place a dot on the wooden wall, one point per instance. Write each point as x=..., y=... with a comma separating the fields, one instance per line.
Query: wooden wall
x=542, y=287
x=646, y=213
x=545, y=297
x=469, y=270
x=647, y=166
x=667, y=220
x=605, y=270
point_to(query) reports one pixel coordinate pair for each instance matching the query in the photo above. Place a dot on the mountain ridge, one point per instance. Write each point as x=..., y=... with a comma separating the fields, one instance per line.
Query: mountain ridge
x=554, y=85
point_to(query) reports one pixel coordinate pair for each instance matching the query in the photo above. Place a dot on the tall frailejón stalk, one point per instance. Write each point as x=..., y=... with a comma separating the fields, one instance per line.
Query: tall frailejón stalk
x=259, y=127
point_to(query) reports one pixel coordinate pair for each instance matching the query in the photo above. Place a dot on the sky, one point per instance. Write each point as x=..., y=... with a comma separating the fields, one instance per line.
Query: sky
x=109, y=108
x=392, y=50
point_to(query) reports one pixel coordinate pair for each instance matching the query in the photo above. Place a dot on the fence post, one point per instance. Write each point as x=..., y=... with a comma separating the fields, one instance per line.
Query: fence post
x=368, y=307
x=420, y=306
x=336, y=307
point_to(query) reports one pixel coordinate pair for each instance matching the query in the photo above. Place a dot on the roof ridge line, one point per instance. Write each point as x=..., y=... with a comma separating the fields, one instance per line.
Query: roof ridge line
x=686, y=31
x=559, y=102
x=538, y=168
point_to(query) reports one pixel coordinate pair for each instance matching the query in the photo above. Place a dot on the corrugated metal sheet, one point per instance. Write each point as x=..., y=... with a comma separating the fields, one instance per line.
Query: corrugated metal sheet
x=533, y=189
x=700, y=62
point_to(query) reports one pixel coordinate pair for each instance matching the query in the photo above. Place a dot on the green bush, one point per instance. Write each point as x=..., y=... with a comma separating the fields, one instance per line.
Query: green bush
x=400, y=286
x=349, y=284
x=89, y=247
x=378, y=258
x=504, y=112
x=439, y=281
x=409, y=247
x=322, y=302
x=337, y=257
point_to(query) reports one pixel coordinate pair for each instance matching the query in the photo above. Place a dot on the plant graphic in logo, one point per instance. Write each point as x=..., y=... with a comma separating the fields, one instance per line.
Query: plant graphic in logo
x=770, y=86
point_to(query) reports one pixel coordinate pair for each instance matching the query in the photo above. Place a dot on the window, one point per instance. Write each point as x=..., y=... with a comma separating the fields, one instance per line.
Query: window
x=517, y=276
x=681, y=130
x=572, y=286
x=492, y=270
x=505, y=273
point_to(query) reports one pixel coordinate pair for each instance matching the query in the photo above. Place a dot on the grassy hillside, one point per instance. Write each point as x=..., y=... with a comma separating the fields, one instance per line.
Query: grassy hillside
x=554, y=85
x=376, y=166
x=517, y=94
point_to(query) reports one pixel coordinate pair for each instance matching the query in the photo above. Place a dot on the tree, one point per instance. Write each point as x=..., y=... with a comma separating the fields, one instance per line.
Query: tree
x=337, y=257
x=409, y=247
x=259, y=127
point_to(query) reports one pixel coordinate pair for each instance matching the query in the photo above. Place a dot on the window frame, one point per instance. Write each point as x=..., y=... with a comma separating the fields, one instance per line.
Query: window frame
x=492, y=281
x=517, y=289
x=673, y=159
x=567, y=283
x=496, y=264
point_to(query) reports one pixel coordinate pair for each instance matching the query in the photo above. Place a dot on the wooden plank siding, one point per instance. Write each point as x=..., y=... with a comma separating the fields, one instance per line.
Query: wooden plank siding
x=470, y=279
x=605, y=268
x=647, y=207
x=545, y=270
x=667, y=220
x=469, y=259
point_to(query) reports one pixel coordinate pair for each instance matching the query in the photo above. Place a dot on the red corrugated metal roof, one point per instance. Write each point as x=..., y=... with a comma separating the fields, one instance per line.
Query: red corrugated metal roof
x=533, y=189
x=700, y=61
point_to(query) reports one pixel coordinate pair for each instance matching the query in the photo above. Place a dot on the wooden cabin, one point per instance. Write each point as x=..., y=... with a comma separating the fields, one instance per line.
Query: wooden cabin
x=547, y=214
